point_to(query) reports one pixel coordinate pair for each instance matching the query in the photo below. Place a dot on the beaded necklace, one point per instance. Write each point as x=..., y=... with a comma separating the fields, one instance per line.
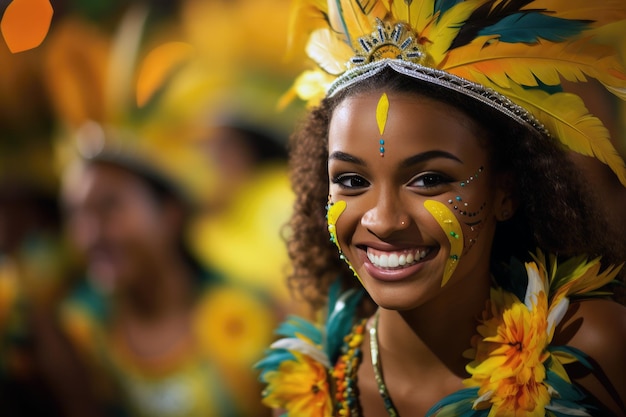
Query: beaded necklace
x=345, y=373
x=378, y=375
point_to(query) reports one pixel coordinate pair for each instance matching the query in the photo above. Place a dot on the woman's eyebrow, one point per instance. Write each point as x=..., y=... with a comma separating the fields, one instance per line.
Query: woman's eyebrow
x=425, y=156
x=346, y=157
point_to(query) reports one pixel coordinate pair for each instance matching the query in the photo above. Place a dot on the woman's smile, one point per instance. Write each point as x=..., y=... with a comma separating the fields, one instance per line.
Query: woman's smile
x=396, y=259
x=395, y=264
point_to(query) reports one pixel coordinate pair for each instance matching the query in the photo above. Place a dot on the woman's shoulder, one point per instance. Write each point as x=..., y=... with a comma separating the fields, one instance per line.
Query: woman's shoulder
x=597, y=327
x=596, y=324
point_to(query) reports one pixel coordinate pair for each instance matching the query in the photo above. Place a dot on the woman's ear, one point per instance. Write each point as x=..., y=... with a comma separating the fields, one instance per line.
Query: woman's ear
x=506, y=198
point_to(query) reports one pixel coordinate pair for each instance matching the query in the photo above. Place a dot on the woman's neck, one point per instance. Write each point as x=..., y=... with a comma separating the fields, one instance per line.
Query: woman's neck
x=166, y=289
x=154, y=318
x=435, y=334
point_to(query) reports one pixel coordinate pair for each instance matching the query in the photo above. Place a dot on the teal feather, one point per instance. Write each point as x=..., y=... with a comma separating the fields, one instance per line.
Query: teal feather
x=272, y=361
x=295, y=325
x=577, y=353
x=565, y=389
x=457, y=404
x=530, y=27
x=334, y=291
x=568, y=405
x=340, y=320
x=442, y=6
x=461, y=409
x=512, y=277
x=550, y=89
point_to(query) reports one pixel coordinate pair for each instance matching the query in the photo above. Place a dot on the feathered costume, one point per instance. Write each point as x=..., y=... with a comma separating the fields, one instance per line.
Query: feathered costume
x=311, y=371
x=509, y=55
x=513, y=368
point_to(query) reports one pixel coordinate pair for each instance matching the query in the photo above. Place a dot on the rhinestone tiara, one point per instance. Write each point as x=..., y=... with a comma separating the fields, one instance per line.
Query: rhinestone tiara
x=443, y=79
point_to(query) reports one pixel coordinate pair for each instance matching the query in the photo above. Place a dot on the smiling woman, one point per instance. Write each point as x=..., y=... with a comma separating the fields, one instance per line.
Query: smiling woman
x=388, y=198
x=474, y=242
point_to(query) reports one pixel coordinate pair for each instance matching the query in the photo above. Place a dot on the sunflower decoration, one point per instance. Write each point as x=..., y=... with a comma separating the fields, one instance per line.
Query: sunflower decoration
x=297, y=369
x=514, y=369
x=233, y=326
x=299, y=385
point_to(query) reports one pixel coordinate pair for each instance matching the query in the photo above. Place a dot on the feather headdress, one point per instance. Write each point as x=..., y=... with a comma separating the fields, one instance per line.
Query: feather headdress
x=511, y=55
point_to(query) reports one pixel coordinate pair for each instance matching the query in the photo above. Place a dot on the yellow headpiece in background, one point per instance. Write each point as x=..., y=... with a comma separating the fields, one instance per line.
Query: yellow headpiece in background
x=510, y=55
x=95, y=94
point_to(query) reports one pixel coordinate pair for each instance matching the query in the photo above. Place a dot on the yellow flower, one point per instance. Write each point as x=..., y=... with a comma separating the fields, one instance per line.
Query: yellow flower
x=299, y=386
x=509, y=357
x=233, y=326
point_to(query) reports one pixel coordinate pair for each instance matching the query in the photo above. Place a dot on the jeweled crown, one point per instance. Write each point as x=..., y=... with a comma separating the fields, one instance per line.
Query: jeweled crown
x=389, y=42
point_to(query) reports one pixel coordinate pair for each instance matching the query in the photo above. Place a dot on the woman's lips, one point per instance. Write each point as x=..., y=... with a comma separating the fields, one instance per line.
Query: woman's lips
x=395, y=265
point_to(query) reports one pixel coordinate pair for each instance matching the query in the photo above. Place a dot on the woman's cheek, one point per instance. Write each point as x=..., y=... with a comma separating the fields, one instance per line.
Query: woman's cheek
x=334, y=210
x=451, y=227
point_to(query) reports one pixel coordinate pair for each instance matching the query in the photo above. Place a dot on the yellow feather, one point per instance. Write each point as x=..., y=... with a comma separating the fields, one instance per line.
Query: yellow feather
x=157, y=68
x=614, y=34
x=548, y=61
x=599, y=13
x=328, y=51
x=417, y=13
x=564, y=358
x=579, y=276
x=591, y=280
x=567, y=118
x=75, y=75
x=442, y=34
x=355, y=18
x=305, y=17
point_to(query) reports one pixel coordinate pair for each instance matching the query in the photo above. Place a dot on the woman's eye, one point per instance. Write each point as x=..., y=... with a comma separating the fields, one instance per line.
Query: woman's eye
x=430, y=180
x=350, y=181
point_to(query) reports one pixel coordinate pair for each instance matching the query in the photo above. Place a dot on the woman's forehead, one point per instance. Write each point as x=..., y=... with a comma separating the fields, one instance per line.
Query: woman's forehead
x=410, y=120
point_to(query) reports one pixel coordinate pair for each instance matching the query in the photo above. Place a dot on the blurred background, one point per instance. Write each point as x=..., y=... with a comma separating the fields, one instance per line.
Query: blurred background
x=143, y=190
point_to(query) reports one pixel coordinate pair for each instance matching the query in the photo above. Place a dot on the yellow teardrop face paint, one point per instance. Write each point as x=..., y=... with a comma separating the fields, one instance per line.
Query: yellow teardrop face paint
x=450, y=225
x=382, y=111
x=335, y=209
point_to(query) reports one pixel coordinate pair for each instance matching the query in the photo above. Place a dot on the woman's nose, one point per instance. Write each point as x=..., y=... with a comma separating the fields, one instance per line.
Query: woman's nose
x=387, y=216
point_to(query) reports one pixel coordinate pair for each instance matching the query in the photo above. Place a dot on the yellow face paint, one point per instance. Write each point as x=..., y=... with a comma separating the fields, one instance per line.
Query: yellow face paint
x=454, y=233
x=334, y=211
x=382, y=111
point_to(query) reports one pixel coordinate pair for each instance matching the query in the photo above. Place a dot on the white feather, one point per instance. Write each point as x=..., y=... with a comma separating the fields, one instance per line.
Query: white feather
x=302, y=346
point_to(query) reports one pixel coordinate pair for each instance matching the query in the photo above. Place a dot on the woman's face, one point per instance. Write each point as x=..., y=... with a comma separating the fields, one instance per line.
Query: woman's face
x=420, y=198
x=117, y=225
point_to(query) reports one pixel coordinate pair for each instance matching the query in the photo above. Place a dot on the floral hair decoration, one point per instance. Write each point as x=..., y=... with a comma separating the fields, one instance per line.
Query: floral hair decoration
x=510, y=55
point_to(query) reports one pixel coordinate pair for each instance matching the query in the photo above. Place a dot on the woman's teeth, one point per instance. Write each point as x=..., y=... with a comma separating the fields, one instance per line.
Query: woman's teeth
x=397, y=259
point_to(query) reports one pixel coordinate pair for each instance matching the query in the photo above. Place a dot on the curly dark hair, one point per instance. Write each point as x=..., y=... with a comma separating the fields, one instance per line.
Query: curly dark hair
x=555, y=212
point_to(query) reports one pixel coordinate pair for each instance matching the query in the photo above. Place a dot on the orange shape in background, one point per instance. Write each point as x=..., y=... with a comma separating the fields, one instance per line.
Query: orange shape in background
x=25, y=24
